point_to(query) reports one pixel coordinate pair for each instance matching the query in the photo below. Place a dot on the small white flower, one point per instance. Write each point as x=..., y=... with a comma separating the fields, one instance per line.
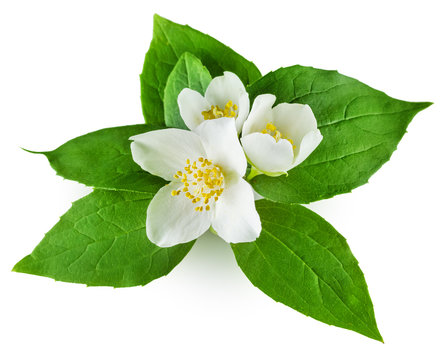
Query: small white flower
x=205, y=169
x=277, y=139
x=225, y=97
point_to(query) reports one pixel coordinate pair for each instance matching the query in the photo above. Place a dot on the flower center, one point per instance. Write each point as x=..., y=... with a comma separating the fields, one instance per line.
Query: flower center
x=272, y=130
x=216, y=112
x=203, y=183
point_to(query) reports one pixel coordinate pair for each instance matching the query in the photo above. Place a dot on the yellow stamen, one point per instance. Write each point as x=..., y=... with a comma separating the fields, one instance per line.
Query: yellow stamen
x=272, y=130
x=270, y=127
x=203, y=185
x=216, y=112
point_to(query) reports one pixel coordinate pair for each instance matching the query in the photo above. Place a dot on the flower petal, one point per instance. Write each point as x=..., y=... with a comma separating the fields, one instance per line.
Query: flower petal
x=219, y=138
x=257, y=196
x=294, y=120
x=163, y=152
x=260, y=114
x=236, y=219
x=172, y=220
x=225, y=88
x=191, y=104
x=244, y=107
x=307, y=146
x=266, y=154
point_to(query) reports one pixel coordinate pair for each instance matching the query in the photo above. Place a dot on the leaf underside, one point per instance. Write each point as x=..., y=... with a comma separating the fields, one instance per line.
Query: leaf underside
x=302, y=261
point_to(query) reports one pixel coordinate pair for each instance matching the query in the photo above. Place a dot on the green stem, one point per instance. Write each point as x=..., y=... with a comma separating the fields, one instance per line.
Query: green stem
x=253, y=172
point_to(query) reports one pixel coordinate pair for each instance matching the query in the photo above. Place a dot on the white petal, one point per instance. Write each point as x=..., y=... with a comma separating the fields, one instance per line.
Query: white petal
x=219, y=138
x=172, y=220
x=257, y=196
x=191, y=104
x=244, y=108
x=294, y=120
x=260, y=114
x=225, y=88
x=236, y=219
x=307, y=146
x=163, y=152
x=266, y=154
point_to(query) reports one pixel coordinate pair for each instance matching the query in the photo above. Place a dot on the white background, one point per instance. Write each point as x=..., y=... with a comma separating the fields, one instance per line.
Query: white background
x=71, y=67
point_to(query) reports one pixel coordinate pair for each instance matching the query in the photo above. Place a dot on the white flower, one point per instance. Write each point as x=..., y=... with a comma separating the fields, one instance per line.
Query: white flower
x=277, y=139
x=225, y=97
x=205, y=169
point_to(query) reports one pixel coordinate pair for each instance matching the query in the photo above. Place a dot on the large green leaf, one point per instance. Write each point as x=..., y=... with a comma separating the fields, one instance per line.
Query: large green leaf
x=103, y=159
x=170, y=41
x=361, y=128
x=302, y=261
x=102, y=240
x=188, y=73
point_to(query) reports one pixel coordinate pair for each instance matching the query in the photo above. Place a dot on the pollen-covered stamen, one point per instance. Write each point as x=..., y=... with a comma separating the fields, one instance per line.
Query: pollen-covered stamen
x=216, y=112
x=272, y=130
x=203, y=183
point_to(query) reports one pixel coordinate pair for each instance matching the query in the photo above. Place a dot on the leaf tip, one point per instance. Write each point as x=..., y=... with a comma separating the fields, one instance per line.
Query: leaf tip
x=34, y=152
x=379, y=338
x=375, y=334
x=424, y=105
x=428, y=103
x=18, y=268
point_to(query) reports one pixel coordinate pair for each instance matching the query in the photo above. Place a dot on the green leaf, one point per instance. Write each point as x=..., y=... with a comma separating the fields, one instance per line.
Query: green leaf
x=361, y=128
x=188, y=73
x=170, y=41
x=301, y=261
x=101, y=241
x=103, y=159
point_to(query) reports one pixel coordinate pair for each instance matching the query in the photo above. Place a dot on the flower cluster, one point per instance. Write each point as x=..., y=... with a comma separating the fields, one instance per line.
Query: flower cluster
x=206, y=165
